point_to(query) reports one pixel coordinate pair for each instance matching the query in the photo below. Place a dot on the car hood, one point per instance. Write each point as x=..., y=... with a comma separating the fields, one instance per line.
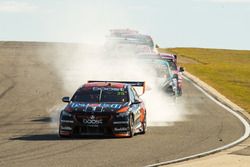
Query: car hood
x=94, y=107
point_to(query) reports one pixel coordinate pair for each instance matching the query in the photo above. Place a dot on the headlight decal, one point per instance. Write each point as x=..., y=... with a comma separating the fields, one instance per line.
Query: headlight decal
x=65, y=113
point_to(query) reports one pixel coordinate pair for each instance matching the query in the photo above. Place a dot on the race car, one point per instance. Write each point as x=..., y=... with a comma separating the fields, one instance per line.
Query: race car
x=165, y=78
x=108, y=108
x=172, y=60
x=143, y=49
x=139, y=39
x=121, y=32
x=119, y=37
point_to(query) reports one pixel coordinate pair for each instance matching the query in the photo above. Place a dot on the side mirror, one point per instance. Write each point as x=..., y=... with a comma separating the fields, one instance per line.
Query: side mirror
x=136, y=102
x=175, y=56
x=181, y=69
x=65, y=99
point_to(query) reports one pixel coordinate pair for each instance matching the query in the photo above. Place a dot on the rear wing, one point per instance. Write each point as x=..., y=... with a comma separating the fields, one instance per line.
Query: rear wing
x=149, y=56
x=132, y=83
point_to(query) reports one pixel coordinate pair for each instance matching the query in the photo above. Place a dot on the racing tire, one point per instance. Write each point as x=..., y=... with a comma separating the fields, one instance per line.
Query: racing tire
x=179, y=91
x=144, y=124
x=131, y=126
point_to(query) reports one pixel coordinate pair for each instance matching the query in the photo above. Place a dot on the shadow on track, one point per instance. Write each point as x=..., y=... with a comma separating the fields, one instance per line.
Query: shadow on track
x=42, y=119
x=52, y=137
x=38, y=137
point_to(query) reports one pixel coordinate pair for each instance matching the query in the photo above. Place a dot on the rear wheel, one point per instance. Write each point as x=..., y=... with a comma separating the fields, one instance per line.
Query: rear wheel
x=131, y=126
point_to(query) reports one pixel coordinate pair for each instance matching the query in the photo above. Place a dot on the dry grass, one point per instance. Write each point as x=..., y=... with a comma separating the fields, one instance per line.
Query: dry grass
x=228, y=71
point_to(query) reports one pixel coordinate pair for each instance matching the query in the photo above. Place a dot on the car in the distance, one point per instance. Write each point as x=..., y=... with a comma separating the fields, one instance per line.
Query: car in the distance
x=177, y=72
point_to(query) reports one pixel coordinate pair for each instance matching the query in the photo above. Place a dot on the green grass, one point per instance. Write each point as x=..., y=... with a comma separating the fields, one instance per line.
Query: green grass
x=228, y=71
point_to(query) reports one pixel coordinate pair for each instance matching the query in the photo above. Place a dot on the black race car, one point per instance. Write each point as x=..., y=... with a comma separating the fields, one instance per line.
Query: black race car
x=104, y=108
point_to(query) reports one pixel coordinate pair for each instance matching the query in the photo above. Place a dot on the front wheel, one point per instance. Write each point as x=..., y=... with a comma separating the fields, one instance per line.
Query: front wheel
x=144, y=124
x=179, y=91
x=131, y=126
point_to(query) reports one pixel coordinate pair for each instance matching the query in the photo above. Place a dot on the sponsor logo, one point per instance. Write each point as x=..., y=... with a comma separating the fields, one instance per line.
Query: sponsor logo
x=123, y=114
x=120, y=122
x=92, y=121
x=121, y=129
x=66, y=128
x=84, y=106
x=67, y=121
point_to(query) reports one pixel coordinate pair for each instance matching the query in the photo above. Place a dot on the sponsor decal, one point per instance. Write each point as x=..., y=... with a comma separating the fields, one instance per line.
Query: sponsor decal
x=92, y=121
x=66, y=128
x=121, y=129
x=108, y=89
x=84, y=106
x=120, y=122
x=123, y=114
x=92, y=117
x=67, y=121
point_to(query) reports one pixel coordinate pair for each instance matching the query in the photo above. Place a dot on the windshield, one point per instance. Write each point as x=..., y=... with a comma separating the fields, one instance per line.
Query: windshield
x=99, y=95
x=172, y=65
x=162, y=69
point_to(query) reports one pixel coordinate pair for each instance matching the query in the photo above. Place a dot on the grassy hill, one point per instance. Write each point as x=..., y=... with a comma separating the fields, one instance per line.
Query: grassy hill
x=228, y=71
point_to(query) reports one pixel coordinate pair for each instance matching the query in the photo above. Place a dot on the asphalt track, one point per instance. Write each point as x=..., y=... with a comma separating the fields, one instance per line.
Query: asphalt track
x=29, y=87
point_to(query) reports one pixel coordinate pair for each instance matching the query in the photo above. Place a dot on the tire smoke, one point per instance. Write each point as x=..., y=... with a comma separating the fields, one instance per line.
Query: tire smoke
x=77, y=66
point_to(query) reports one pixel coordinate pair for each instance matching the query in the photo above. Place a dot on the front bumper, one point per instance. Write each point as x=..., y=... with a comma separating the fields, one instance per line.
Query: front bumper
x=86, y=124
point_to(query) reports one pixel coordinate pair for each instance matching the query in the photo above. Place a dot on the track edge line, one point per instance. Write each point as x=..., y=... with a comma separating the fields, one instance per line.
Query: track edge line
x=224, y=103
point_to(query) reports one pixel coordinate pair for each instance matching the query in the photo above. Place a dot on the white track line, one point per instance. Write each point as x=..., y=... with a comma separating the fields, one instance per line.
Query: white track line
x=242, y=138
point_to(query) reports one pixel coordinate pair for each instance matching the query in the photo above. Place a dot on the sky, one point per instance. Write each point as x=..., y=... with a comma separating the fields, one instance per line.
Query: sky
x=171, y=23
